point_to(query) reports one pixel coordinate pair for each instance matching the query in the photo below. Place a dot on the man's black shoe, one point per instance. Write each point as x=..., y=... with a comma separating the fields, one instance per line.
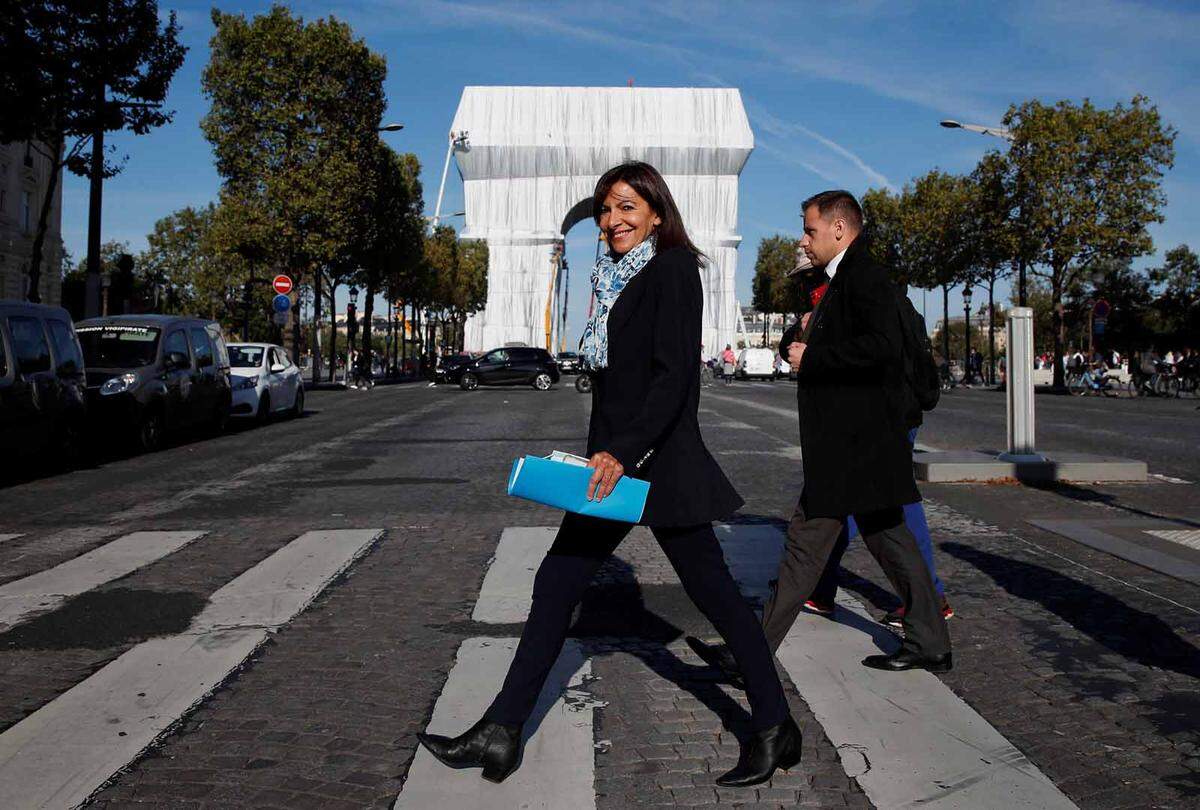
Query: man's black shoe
x=718, y=657
x=906, y=659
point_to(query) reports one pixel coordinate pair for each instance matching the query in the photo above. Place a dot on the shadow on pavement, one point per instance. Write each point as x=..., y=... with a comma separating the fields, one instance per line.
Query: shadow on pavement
x=1085, y=494
x=1127, y=631
x=101, y=619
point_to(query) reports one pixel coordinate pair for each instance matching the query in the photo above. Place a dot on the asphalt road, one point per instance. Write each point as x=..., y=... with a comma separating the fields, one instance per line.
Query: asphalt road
x=1101, y=651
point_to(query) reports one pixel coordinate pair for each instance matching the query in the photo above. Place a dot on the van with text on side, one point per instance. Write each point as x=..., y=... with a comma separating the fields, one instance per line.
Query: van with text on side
x=43, y=406
x=150, y=375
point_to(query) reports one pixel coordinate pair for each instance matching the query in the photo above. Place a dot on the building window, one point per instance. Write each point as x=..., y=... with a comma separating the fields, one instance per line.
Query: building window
x=26, y=212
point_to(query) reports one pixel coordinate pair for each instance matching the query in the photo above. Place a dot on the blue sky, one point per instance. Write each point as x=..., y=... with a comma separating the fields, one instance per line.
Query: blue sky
x=845, y=93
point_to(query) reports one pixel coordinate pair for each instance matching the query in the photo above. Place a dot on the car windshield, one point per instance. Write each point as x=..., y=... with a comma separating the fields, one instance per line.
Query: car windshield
x=118, y=346
x=245, y=356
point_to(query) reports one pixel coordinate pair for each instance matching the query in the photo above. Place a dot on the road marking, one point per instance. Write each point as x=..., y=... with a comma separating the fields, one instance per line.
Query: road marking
x=906, y=737
x=37, y=593
x=558, y=770
x=1168, y=479
x=4, y=538
x=65, y=751
x=1184, y=537
x=508, y=586
x=1096, y=534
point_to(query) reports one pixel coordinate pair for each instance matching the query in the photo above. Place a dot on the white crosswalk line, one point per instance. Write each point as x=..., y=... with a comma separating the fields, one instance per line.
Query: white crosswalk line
x=61, y=754
x=23, y=598
x=4, y=538
x=558, y=770
x=906, y=737
x=508, y=586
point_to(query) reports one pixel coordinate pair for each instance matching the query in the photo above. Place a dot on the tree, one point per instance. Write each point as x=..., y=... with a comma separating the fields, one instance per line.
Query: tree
x=177, y=264
x=993, y=235
x=1178, y=304
x=1091, y=184
x=295, y=108
x=63, y=58
x=884, y=228
x=937, y=249
x=773, y=290
x=395, y=230
x=1129, y=326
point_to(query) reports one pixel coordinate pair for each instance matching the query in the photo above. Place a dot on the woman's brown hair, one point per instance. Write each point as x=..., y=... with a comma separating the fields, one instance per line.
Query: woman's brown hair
x=650, y=186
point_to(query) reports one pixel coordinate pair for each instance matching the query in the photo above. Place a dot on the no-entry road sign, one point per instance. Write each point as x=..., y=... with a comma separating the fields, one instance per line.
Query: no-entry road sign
x=282, y=284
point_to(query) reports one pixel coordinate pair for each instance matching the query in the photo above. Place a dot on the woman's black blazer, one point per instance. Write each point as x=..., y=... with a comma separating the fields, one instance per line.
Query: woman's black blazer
x=644, y=404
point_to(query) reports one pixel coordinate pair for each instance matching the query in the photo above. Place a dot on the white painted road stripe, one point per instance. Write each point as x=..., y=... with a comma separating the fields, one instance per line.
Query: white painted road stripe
x=4, y=538
x=507, y=589
x=23, y=598
x=558, y=770
x=1185, y=537
x=62, y=753
x=906, y=737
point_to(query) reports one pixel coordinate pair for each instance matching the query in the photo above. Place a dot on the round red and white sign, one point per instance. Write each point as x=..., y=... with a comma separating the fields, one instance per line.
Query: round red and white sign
x=282, y=284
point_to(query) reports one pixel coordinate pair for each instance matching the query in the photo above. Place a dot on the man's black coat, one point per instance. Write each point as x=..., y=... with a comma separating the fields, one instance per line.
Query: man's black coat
x=851, y=396
x=644, y=404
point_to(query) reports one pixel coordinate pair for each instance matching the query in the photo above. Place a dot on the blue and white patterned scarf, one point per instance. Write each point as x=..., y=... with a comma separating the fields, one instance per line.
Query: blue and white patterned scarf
x=608, y=279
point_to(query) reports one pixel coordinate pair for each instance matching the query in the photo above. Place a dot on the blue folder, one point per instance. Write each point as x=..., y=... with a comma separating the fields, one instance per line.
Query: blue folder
x=565, y=486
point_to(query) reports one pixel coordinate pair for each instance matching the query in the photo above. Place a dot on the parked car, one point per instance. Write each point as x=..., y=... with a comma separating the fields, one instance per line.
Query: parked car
x=755, y=364
x=43, y=400
x=517, y=365
x=570, y=363
x=265, y=381
x=149, y=375
x=447, y=362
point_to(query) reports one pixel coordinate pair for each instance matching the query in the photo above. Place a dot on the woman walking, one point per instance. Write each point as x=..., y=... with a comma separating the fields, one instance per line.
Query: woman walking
x=640, y=345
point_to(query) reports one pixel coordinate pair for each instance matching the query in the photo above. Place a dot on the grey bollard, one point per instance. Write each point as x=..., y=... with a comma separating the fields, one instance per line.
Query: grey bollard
x=1019, y=387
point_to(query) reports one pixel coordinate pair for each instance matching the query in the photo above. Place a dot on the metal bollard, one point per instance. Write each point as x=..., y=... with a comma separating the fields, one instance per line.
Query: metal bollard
x=1020, y=387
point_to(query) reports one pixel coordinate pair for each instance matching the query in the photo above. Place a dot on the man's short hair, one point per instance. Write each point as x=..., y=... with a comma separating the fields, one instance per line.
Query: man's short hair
x=838, y=203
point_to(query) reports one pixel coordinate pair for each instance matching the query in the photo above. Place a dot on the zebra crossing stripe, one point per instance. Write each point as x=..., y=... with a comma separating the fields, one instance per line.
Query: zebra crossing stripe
x=906, y=737
x=65, y=751
x=508, y=586
x=4, y=538
x=558, y=770
x=37, y=593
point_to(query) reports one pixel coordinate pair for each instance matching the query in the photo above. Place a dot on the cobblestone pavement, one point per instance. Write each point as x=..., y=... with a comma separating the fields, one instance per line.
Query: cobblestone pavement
x=1087, y=663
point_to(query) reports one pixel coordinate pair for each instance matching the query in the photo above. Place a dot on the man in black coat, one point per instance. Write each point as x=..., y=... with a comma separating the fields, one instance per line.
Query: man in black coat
x=853, y=438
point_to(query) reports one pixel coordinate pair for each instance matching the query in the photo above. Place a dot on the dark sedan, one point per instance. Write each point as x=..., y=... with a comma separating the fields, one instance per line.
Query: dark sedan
x=517, y=365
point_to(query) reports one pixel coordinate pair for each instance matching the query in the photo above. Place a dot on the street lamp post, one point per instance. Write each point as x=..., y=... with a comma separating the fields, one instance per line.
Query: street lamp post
x=1005, y=134
x=967, y=334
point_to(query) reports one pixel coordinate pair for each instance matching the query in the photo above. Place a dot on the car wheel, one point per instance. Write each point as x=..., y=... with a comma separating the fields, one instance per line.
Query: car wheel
x=469, y=381
x=542, y=381
x=264, y=409
x=583, y=383
x=298, y=405
x=150, y=432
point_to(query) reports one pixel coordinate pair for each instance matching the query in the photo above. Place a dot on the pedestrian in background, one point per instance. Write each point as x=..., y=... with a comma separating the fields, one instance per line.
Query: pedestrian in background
x=640, y=344
x=728, y=363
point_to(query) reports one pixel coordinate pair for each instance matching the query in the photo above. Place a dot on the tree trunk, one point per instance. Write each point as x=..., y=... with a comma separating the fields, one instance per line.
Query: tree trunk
x=1060, y=378
x=946, y=325
x=316, y=339
x=296, y=324
x=39, y=238
x=332, y=329
x=992, y=329
x=364, y=356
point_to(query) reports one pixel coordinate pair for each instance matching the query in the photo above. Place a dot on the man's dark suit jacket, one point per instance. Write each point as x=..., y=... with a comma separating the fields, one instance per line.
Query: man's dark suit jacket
x=851, y=396
x=644, y=404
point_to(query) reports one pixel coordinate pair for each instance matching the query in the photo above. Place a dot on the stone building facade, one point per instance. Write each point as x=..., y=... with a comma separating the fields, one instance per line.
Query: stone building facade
x=23, y=175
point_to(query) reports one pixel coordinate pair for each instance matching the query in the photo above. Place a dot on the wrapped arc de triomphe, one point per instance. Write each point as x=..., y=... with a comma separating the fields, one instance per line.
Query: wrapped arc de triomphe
x=530, y=157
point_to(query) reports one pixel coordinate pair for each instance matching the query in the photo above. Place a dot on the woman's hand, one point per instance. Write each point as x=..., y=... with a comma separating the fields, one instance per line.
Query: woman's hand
x=607, y=471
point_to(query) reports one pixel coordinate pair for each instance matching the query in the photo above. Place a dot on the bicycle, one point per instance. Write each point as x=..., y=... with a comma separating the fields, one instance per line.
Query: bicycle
x=1081, y=384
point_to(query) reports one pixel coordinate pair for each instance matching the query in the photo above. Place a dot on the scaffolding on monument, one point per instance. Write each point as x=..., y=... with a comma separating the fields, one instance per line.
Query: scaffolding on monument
x=529, y=158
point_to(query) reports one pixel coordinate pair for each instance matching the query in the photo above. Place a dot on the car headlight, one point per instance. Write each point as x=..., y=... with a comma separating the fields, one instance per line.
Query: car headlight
x=244, y=383
x=119, y=385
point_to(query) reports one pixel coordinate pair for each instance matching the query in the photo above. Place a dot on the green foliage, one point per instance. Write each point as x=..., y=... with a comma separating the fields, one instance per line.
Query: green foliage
x=1088, y=182
x=294, y=110
x=936, y=218
x=884, y=229
x=773, y=290
x=1179, y=301
x=62, y=60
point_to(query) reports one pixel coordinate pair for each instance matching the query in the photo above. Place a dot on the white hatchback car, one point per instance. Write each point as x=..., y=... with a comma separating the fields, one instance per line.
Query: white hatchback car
x=265, y=381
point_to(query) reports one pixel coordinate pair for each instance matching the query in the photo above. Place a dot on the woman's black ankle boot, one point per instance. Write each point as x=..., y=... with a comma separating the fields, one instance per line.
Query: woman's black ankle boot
x=775, y=747
x=495, y=747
